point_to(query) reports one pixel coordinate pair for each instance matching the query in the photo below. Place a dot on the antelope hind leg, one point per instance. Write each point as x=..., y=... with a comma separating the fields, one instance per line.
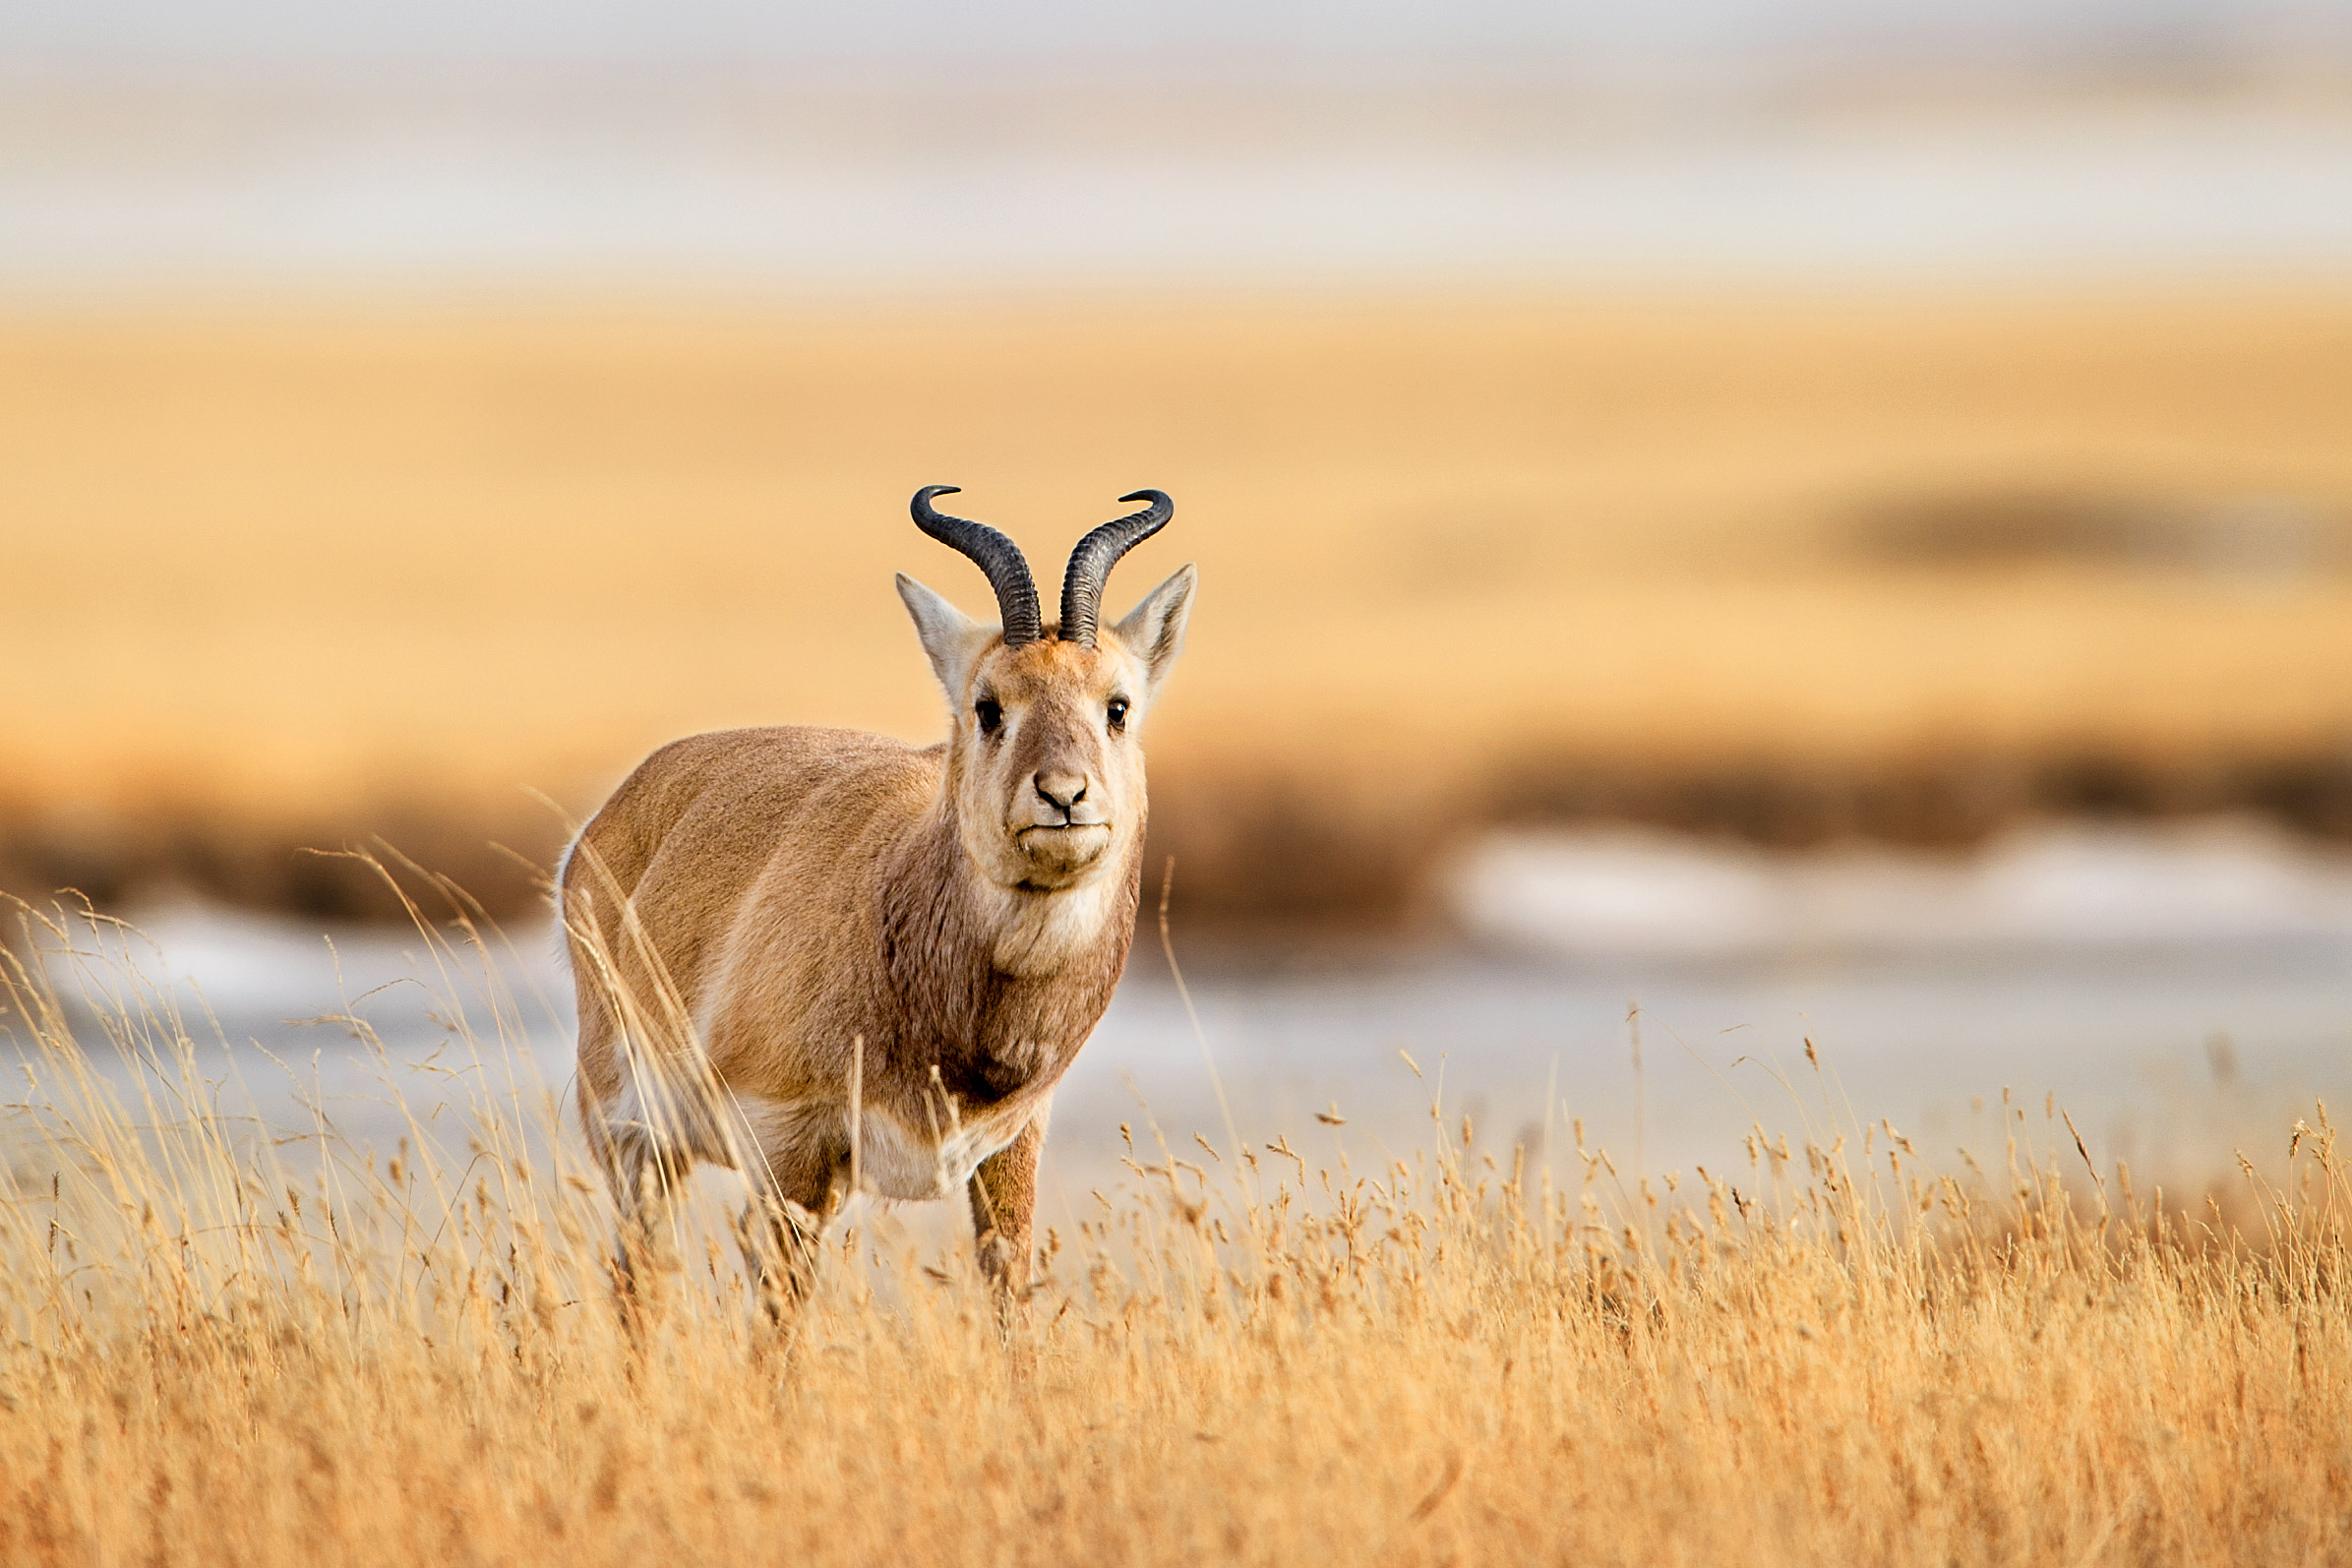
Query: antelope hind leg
x=642, y=1178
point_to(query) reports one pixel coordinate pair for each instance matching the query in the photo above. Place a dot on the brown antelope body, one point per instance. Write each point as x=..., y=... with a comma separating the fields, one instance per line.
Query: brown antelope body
x=836, y=960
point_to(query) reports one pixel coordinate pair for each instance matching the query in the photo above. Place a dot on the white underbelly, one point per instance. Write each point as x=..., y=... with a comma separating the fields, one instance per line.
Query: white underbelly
x=895, y=1159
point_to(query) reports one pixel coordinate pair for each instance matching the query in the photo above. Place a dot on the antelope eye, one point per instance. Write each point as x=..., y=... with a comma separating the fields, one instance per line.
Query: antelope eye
x=1117, y=712
x=989, y=713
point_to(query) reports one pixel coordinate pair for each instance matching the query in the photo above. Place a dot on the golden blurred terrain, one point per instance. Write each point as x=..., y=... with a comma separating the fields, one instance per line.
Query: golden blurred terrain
x=286, y=575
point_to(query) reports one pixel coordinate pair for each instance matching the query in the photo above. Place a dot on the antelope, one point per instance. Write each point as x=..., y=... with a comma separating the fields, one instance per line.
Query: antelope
x=841, y=963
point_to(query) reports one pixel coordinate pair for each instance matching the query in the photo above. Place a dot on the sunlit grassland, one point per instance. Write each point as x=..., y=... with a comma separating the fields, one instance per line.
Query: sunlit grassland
x=221, y=1345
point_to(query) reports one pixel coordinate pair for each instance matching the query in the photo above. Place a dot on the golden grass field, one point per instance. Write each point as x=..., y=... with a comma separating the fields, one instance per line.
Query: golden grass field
x=217, y=1348
x=289, y=575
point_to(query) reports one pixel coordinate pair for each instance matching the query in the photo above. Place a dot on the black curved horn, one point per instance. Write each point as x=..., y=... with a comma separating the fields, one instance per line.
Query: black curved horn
x=1097, y=554
x=996, y=555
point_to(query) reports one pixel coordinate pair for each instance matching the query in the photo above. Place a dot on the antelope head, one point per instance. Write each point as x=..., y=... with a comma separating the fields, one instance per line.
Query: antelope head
x=1045, y=769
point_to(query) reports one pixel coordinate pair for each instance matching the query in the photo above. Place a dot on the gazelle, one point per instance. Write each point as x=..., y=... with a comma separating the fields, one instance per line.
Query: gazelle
x=843, y=963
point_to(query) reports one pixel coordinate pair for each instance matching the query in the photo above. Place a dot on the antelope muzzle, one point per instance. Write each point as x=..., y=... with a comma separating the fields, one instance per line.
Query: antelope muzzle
x=1061, y=823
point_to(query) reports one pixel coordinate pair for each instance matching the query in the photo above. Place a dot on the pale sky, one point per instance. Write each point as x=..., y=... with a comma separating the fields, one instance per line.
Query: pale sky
x=1175, y=32
x=786, y=144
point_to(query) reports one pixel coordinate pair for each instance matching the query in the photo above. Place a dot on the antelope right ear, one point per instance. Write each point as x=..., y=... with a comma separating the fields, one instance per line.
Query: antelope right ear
x=952, y=638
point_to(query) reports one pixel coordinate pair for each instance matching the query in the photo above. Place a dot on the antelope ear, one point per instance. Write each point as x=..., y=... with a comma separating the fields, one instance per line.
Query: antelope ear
x=1153, y=631
x=952, y=638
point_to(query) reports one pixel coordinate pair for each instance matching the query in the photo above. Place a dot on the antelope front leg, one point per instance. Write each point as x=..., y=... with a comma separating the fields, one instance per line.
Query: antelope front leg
x=780, y=1242
x=1003, y=1194
x=783, y=1230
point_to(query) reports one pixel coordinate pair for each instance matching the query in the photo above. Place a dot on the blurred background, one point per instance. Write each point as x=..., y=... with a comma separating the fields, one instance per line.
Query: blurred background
x=1723, y=522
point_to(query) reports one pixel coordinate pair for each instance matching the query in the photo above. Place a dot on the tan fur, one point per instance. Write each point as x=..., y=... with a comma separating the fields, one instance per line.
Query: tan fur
x=758, y=915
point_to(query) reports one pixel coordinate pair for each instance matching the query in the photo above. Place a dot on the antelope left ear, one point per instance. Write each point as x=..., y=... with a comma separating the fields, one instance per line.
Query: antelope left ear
x=951, y=639
x=1153, y=631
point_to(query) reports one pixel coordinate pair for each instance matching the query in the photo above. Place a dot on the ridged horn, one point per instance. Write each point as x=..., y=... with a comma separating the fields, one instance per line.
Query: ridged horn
x=1097, y=554
x=996, y=555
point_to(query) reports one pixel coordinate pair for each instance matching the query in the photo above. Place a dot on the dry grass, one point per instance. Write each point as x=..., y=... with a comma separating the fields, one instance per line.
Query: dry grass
x=221, y=1349
x=295, y=576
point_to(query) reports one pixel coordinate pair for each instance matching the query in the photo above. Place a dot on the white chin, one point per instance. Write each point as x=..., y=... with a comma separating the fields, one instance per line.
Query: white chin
x=1059, y=854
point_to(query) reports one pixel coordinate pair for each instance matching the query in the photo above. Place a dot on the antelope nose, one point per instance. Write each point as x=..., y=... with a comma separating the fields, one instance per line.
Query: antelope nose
x=1061, y=791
